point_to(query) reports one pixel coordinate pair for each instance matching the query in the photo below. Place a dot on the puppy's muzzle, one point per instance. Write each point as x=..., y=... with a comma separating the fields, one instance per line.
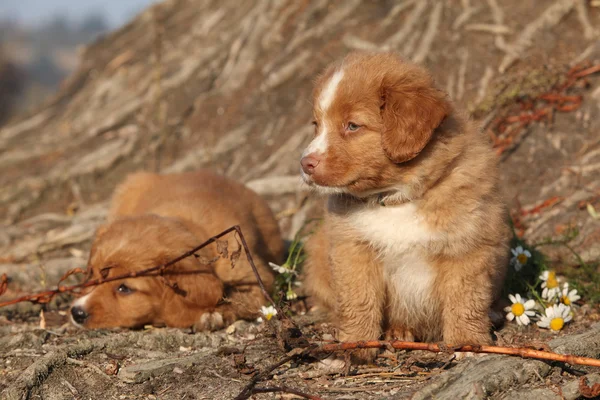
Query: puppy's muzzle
x=79, y=314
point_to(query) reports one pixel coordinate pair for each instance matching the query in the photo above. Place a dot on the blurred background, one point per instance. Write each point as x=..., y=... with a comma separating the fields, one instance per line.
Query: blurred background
x=40, y=43
x=91, y=90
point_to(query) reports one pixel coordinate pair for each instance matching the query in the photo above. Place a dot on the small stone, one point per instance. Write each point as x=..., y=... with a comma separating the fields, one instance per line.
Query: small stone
x=177, y=370
x=230, y=329
x=181, y=348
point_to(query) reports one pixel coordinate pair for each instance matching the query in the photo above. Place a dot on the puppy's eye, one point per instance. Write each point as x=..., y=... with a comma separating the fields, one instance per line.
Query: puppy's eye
x=352, y=127
x=124, y=289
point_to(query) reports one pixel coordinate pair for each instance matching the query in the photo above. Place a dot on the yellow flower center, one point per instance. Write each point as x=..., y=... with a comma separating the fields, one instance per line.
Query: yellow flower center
x=518, y=309
x=557, y=324
x=522, y=258
x=269, y=316
x=566, y=300
x=551, y=282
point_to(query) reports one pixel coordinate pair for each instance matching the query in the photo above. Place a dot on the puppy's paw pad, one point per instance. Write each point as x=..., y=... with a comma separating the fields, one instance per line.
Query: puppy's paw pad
x=209, y=322
x=331, y=363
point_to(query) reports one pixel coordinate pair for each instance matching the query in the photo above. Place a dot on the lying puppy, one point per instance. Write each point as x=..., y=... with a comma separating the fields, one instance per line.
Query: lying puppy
x=415, y=237
x=156, y=218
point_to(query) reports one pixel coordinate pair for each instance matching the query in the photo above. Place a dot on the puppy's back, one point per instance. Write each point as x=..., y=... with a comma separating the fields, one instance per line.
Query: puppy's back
x=212, y=202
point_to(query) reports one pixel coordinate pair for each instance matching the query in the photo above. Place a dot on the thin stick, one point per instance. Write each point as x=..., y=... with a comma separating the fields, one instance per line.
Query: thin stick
x=247, y=391
x=251, y=261
x=514, y=351
x=44, y=296
x=285, y=389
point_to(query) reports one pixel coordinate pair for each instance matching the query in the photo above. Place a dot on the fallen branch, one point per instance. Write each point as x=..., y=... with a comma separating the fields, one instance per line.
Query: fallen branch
x=250, y=387
x=159, y=270
x=513, y=351
x=284, y=389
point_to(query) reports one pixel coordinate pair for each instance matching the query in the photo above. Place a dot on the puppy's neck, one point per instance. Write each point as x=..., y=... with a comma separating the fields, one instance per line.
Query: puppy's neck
x=382, y=199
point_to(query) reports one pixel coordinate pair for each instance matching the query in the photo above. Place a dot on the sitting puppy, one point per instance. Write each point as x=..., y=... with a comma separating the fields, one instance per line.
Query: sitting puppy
x=156, y=218
x=415, y=237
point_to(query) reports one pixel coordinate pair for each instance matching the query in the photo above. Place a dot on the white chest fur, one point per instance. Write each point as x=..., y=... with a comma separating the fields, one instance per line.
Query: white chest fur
x=401, y=237
x=395, y=229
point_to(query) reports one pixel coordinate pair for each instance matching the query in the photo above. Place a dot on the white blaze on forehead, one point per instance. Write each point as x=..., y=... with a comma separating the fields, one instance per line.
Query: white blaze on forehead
x=319, y=143
x=328, y=94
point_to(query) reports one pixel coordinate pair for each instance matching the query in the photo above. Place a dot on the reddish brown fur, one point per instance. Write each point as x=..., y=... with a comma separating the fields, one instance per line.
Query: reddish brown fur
x=437, y=176
x=155, y=218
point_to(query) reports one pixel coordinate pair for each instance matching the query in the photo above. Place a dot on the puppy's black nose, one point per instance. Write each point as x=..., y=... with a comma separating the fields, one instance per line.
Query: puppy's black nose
x=79, y=314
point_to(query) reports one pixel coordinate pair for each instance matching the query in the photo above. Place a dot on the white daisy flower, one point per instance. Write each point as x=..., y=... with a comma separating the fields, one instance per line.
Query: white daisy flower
x=520, y=257
x=268, y=312
x=555, y=317
x=520, y=309
x=568, y=297
x=550, y=285
x=282, y=269
x=291, y=295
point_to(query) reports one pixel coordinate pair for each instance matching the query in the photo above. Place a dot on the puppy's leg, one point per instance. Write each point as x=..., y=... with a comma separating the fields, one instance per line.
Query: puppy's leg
x=466, y=292
x=360, y=293
x=317, y=275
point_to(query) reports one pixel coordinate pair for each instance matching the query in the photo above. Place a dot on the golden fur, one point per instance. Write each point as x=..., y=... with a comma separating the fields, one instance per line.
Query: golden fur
x=156, y=218
x=415, y=238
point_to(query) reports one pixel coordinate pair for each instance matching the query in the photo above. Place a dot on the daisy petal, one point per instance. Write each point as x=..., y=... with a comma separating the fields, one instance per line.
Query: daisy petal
x=529, y=304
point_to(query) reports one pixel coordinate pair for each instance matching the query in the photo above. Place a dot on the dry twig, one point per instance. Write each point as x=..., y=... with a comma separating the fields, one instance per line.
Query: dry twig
x=159, y=270
x=514, y=351
x=284, y=389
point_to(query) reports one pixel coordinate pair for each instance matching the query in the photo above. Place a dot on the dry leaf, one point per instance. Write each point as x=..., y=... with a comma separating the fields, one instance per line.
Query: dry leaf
x=592, y=211
x=222, y=248
x=235, y=256
x=42, y=320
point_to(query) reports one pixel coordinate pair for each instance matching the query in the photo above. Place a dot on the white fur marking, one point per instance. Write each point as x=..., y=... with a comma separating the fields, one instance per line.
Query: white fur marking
x=80, y=302
x=395, y=229
x=318, y=144
x=399, y=235
x=327, y=95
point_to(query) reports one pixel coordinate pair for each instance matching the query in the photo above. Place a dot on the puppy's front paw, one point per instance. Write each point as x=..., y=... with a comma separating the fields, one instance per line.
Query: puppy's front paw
x=399, y=333
x=332, y=363
x=209, y=322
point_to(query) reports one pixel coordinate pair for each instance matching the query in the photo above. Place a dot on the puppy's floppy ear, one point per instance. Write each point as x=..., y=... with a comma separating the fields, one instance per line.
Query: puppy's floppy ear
x=411, y=109
x=195, y=282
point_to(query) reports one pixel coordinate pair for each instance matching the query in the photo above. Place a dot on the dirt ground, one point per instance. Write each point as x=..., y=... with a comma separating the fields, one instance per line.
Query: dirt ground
x=225, y=84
